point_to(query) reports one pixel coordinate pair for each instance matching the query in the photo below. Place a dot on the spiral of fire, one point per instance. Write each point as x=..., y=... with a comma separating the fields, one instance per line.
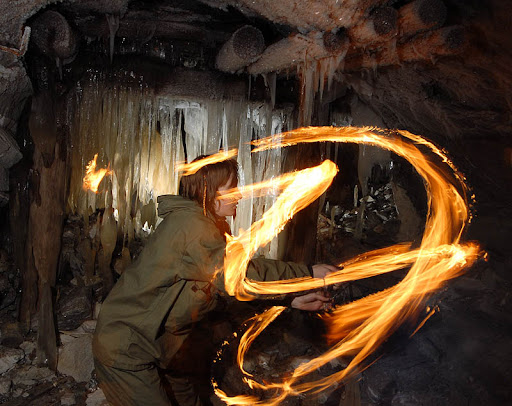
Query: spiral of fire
x=355, y=329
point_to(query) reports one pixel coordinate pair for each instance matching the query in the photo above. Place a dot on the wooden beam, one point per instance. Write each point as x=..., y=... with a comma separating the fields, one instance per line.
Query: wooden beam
x=327, y=36
x=419, y=16
x=379, y=27
x=242, y=48
x=348, y=13
x=282, y=55
x=305, y=15
x=442, y=42
x=53, y=35
x=296, y=49
x=336, y=41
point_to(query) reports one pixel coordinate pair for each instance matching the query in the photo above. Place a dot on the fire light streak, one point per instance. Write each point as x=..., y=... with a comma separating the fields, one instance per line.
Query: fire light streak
x=193, y=167
x=358, y=328
x=93, y=177
x=260, y=189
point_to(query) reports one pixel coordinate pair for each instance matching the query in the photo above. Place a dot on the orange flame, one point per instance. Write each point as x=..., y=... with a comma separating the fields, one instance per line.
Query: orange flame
x=193, y=167
x=93, y=177
x=307, y=186
x=357, y=328
x=259, y=189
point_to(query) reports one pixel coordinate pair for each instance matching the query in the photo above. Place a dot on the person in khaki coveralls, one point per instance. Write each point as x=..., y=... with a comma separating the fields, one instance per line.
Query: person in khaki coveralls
x=153, y=306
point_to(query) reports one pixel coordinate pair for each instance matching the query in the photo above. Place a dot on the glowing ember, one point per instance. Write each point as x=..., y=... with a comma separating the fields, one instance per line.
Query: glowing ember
x=358, y=328
x=93, y=177
x=193, y=167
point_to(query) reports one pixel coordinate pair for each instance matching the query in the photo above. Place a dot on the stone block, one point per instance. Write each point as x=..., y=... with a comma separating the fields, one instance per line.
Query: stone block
x=4, y=179
x=75, y=357
x=96, y=398
x=9, y=357
x=9, y=149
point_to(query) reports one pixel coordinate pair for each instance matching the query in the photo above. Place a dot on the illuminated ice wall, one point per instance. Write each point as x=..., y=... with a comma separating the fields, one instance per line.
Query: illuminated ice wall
x=142, y=136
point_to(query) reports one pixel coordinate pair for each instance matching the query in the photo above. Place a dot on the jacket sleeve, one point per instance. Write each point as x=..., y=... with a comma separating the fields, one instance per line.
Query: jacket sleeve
x=261, y=269
x=203, y=257
x=204, y=261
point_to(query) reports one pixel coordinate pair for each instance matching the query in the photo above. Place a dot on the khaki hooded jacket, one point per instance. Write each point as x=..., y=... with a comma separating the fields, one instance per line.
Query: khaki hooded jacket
x=173, y=284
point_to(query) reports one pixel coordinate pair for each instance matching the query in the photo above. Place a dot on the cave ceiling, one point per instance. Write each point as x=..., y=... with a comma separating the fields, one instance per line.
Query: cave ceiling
x=438, y=68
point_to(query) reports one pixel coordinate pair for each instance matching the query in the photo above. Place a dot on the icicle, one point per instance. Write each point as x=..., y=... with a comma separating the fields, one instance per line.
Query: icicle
x=330, y=72
x=340, y=67
x=224, y=127
x=196, y=130
x=249, y=88
x=374, y=64
x=272, y=86
x=245, y=160
x=323, y=64
x=392, y=50
x=215, y=125
x=113, y=26
x=108, y=237
x=264, y=76
x=307, y=93
x=58, y=62
x=141, y=137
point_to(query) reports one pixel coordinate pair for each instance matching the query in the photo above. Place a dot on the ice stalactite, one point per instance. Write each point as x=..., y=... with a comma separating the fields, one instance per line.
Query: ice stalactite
x=308, y=91
x=108, y=238
x=44, y=233
x=113, y=26
x=313, y=74
x=272, y=79
x=142, y=137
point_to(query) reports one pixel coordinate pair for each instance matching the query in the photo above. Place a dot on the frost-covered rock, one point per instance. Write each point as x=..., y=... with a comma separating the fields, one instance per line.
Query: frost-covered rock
x=96, y=398
x=75, y=354
x=5, y=385
x=67, y=398
x=9, y=357
x=29, y=375
x=29, y=348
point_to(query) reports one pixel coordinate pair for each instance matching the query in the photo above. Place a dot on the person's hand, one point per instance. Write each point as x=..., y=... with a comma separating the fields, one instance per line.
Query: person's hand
x=311, y=302
x=321, y=270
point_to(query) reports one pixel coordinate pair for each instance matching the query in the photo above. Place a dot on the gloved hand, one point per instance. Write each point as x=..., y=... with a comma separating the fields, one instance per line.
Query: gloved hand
x=321, y=270
x=311, y=302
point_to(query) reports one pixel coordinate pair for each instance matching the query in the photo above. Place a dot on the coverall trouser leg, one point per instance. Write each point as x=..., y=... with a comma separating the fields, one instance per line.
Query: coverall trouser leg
x=131, y=388
x=183, y=390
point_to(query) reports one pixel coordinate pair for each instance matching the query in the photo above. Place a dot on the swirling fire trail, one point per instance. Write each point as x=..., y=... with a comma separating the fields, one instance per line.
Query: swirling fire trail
x=358, y=328
x=193, y=167
x=93, y=177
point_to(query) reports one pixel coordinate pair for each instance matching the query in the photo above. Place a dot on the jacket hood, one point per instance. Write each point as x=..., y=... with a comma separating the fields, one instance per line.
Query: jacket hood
x=171, y=203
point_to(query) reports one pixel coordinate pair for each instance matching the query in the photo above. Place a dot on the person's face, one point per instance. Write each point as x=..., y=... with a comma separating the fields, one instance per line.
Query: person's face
x=227, y=206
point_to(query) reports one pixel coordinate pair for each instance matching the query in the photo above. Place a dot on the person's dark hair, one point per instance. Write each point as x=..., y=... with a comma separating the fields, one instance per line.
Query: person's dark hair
x=203, y=185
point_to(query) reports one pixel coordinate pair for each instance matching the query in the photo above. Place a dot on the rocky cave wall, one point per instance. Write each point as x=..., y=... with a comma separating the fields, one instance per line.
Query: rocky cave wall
x=461, y=101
